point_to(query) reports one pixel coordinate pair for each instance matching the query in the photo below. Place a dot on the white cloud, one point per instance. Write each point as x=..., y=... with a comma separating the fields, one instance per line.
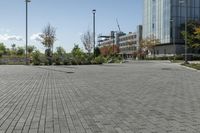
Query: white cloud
x=36, y=37
x=3, y=30
x=80, y=33
x=6, y=37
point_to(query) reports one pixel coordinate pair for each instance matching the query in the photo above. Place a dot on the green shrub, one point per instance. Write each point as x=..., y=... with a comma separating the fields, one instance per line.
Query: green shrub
x=39, y=58
x=88, y=59
x=57, y=59
x=44, y=60
x=73, y=61
x=20, y=51
x=36, y=58
x=196, y=57
x=97, y=52
x=114, y=59
x=157, y=58
x=179, y=57
x=67, y=61
x=163, y=58
x=1, y=53
x=98, y=60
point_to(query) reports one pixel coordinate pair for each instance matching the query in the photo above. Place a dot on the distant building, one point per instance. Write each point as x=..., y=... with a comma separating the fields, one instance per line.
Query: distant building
x=128, y=43
x=109, y=44
x=163, y=19
x=112, y=39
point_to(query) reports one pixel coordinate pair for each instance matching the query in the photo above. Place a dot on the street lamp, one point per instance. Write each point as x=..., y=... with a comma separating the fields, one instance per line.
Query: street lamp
x=185, y=3
x=27, y=1
x=173, y=35
x=94, y=11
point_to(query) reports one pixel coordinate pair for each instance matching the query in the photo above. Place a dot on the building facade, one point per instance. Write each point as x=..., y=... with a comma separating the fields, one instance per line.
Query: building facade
x=164, y=18
x=128, y=43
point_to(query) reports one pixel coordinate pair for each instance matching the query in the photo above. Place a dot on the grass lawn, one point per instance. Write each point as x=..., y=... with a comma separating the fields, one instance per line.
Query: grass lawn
x=195, y=66
x=177, y=61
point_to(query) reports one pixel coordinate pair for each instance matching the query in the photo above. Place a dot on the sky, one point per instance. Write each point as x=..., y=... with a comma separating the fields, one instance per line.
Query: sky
x=71, y=18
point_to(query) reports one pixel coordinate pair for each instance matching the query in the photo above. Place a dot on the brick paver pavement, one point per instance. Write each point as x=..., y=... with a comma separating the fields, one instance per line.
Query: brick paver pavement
x=139, y=97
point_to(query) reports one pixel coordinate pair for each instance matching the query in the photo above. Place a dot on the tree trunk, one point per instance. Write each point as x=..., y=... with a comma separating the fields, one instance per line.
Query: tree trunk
x=154, y=54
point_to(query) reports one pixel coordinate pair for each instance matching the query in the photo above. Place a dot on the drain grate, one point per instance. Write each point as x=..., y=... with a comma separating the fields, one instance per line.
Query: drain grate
x=166, y=69
x=70, y=72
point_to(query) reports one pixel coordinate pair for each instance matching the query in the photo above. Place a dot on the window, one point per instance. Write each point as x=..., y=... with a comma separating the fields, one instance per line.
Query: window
x=157, y=52
x=165, y=51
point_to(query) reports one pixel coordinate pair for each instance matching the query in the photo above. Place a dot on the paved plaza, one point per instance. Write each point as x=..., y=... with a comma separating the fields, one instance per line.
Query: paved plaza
x=137, y=97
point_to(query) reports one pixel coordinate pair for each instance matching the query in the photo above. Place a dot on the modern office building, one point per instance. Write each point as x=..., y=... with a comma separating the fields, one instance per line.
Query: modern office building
x=128, y=43
x=163, y=20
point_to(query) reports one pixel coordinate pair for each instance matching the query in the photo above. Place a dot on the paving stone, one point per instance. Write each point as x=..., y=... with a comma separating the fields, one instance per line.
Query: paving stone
x=137, y=97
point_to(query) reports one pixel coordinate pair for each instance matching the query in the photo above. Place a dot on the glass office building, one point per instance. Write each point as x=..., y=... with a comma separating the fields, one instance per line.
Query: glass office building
x=163, y=19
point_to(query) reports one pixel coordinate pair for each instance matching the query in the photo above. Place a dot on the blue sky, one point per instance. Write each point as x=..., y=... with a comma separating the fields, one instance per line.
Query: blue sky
x=70, y=17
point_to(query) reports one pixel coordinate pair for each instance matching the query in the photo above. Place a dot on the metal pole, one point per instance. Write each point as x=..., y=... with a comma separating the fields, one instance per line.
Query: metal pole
x=186, y=62
x=173, y=36
x=26, y=30
x=94, y=11
x=174, y=39
x=185, y=4
x=113, y=43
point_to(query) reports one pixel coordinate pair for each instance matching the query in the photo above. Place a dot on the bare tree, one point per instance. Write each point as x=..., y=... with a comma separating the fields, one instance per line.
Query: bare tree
x=87, y=41
x=48, y=38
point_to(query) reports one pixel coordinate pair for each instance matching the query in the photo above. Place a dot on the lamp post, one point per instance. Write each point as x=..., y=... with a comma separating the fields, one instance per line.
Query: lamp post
x=173, y=35
x=27, y=1
x=185, y=4
x=94, y=11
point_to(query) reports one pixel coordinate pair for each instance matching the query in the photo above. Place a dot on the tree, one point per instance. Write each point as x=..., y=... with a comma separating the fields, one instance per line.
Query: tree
x=36, y=57
x=59, y=55
x=76, y=51
x=149, y=43
x=109, y=50
x=30, y=49
x=8, y=52
x=97, y=52
x=193, y=33
x=13, y=46
x=2, y=49
x=197, y=37
x=20, y=51
x=87, y=41
x=60, y=51
x=13, y=50
x=48, y=38
x=79, y=57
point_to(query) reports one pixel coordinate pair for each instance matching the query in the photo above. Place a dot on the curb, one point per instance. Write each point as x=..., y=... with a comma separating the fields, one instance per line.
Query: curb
x=189, y=68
